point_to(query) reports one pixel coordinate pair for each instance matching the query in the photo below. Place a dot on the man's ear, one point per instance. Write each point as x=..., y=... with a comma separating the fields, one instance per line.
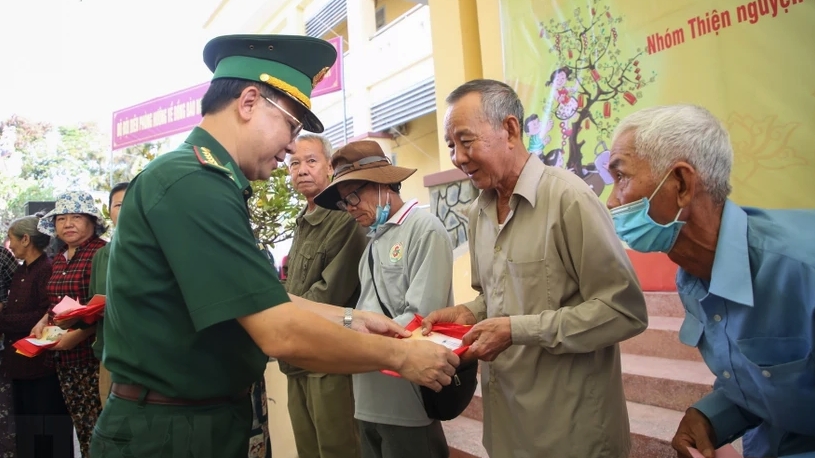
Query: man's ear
x=513, y=128
x=688, y=183
x=248, y=102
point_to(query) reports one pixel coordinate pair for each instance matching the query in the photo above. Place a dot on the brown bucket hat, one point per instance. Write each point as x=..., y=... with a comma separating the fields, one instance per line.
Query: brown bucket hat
x=364, y=161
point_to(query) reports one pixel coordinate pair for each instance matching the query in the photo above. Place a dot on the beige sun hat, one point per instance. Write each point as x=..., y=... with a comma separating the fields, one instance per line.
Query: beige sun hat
x=360, y=161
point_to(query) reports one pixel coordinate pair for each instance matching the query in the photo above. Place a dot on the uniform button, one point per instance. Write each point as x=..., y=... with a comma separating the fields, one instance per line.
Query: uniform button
x=64, y=273
x=497, y=249
x=22, y=280
x=766, y=373
x=726, y=374
x=717, y=318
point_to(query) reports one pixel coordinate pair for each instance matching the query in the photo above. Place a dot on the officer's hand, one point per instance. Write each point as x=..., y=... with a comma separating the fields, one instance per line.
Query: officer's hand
x=428, y=364
x=694, y=431
x=376, y=323
x=458, y=314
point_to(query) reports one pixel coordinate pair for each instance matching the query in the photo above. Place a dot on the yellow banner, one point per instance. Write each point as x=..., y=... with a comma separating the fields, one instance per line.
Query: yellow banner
x=580, y=66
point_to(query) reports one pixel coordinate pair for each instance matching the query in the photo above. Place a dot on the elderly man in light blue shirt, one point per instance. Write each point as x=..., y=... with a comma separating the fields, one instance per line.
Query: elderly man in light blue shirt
x=746, y=279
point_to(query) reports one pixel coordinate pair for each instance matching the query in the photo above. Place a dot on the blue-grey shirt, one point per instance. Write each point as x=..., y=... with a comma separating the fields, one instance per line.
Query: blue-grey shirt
x=754, y=326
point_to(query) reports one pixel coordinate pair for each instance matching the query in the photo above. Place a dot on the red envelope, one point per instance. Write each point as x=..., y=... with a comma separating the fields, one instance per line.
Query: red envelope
x=31, y=346
x=89, y=313
x=447, y=334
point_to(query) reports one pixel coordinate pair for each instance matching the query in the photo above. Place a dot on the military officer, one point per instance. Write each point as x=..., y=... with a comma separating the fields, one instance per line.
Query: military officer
x=194, y=308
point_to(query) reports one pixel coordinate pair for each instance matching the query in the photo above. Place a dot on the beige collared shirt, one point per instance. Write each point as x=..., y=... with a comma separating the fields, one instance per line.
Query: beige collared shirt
x=558, y=270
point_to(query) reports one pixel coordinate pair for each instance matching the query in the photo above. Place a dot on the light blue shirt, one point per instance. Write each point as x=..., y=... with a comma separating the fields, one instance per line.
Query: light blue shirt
x=754, y=326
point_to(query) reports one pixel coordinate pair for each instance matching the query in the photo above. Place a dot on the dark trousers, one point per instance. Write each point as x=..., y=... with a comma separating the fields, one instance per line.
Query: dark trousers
x=389, y=441
x=44, y=427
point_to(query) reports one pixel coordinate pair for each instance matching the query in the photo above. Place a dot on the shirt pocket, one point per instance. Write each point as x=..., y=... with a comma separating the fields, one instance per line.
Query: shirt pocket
x=690, y=333
x=392, y=288
x=308, y=259
x=783, y=370
x=526, y=291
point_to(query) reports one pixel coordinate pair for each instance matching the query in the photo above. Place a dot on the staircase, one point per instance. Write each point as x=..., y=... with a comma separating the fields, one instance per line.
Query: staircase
x=661, y=376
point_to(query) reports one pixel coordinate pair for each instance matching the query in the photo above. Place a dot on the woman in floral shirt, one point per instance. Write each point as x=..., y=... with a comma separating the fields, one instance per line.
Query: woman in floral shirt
x=76, y=221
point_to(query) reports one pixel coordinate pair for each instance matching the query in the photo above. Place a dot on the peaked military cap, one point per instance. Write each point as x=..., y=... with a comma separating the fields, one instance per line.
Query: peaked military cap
x=291, y=64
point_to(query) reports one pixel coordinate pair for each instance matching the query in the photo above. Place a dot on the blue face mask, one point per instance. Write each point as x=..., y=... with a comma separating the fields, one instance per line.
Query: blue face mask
x=636, y=228
x=382, y=213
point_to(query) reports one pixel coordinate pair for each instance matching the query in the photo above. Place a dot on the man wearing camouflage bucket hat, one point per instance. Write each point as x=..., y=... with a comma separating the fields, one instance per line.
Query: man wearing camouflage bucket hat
x=194, y=308
x=406, y=269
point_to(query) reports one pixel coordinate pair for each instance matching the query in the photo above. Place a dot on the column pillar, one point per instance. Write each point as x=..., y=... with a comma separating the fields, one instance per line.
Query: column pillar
x=456, y=55
x=361, y=27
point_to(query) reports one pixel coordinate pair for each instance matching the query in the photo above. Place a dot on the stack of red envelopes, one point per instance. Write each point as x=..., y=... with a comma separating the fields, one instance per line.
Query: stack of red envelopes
x=31, y=346
x=447, y=334
x=68, y=309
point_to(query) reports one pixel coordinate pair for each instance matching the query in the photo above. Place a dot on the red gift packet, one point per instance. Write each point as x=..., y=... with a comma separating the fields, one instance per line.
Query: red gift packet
x=447, y=334
x=31, y=346
x=69, y=308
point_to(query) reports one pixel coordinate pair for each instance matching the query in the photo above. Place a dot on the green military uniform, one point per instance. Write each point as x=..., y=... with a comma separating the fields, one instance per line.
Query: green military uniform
x=98, y=286
x=323, y=262
x=183, y=266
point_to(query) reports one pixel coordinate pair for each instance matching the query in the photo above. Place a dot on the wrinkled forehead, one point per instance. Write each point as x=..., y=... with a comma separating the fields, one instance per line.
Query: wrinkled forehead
x=462, y=119
x=624, y=155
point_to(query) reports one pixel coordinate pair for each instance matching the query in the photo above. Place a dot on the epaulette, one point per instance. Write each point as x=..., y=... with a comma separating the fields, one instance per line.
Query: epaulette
x=206, y=159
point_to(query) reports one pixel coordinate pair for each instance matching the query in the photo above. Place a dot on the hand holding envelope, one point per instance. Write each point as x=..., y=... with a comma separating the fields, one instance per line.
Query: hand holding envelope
x=726, y=451
x=448, y=335
x=32, y=345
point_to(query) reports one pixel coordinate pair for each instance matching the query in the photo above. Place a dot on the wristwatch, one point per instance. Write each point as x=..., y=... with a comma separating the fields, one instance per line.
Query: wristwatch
x=349, y=316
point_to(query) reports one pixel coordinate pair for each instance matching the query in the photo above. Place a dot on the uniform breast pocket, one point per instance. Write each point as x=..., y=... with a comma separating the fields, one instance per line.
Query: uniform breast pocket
x=527, y=289
x=783, y=369
x=304, y=262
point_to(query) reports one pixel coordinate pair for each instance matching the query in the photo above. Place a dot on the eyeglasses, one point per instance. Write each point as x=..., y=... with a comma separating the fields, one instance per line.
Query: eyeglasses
x=351, y=199
x=297, y=127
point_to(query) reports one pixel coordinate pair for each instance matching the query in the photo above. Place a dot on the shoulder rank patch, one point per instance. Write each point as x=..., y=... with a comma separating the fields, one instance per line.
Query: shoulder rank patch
x=206, y=158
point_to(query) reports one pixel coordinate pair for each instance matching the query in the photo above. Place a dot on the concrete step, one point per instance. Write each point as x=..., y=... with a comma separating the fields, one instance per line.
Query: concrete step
x=661, y=339
x=464, y=438
x=664, y=304
x=668, y=383
x=652, y=429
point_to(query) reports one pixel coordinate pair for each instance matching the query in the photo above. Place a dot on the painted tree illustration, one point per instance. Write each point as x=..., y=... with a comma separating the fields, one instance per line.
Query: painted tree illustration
x=595, y=78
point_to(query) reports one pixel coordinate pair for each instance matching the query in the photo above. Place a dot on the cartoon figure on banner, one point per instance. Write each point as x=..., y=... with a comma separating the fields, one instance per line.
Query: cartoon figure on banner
x=554, y=158
x=567, y=103
x=532, y=127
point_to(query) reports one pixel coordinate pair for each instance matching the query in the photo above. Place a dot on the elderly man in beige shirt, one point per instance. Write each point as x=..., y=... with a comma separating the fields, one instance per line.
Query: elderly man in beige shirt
x=557, y=292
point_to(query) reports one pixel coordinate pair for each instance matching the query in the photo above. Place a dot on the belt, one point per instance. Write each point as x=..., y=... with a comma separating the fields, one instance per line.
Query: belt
x=138, y=393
